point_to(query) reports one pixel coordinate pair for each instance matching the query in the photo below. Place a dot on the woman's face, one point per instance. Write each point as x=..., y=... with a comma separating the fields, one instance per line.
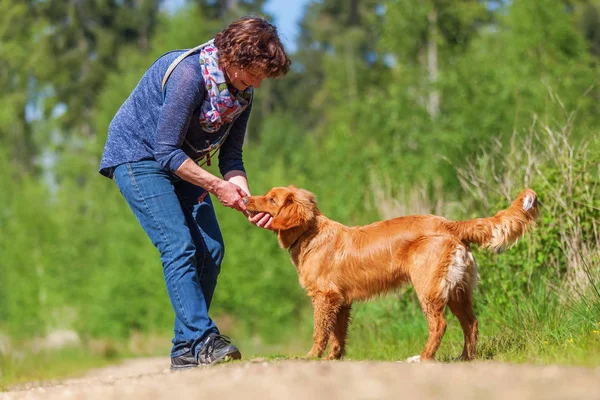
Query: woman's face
x=241, y=78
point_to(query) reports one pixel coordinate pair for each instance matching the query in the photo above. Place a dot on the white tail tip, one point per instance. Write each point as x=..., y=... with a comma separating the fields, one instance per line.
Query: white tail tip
x=528, y=202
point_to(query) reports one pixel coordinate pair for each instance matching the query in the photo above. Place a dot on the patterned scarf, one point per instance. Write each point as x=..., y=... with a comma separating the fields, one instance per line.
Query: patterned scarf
x=220, y=106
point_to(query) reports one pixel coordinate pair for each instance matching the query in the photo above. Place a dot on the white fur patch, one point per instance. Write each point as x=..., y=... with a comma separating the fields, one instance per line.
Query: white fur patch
x=413, y=359
x=456, y=270
x=462, y=272
x=499, y=233
x=528, y=203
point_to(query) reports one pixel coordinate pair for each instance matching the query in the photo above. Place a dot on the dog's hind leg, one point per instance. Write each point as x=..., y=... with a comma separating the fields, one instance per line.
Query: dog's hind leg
x=461, y=305
x=434, y=311
x=337, y=338
x=326, y=307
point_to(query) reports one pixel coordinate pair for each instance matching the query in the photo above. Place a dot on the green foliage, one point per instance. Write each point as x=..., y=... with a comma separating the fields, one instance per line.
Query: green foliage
x=16, y=60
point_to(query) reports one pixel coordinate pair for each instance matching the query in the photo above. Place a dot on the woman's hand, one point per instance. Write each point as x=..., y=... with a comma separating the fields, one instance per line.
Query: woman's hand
x=262, y=220
x=231, y=195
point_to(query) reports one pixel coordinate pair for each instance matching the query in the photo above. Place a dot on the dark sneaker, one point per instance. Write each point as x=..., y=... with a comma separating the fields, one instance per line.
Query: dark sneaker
x=216, y=349
x=184, y=361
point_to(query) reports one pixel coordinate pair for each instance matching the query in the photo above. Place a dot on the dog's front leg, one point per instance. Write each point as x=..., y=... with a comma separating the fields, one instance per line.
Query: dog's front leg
x=326, y=307
x=337, y=338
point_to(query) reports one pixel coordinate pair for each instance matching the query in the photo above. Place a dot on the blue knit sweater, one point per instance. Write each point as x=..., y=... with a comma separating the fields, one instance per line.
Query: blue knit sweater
x=145, y=128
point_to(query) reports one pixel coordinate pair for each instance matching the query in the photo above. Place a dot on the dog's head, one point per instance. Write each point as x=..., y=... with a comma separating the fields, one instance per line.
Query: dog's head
x=290, y=207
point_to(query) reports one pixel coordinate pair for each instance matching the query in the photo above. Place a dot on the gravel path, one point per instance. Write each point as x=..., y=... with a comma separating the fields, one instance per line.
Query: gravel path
x=297, y=379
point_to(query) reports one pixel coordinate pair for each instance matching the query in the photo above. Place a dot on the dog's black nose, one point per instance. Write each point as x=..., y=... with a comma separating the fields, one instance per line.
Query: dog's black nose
x=246, y=200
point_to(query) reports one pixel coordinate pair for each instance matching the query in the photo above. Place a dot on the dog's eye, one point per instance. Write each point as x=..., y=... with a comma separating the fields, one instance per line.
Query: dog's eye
x=272, y=200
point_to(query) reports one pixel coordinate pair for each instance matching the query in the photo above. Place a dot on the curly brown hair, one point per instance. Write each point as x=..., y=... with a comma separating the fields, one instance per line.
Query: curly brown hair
x=252, y=42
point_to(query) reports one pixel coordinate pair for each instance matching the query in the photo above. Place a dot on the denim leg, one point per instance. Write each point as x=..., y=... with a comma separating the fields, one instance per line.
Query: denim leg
x=204, y=227
x=206, y=234
x=152, y=197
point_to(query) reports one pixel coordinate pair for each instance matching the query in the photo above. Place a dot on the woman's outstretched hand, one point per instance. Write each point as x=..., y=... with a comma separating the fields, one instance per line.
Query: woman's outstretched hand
x=231, y=195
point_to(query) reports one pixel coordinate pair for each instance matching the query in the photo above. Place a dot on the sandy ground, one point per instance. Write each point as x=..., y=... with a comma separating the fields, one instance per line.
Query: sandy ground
x=296, y=379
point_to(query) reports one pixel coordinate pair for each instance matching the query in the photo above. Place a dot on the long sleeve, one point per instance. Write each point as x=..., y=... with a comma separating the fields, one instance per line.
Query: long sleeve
x=183, y=95
x=230, y=154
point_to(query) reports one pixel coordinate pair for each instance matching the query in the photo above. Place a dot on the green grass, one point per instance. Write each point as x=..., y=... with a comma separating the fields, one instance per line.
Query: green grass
x=543, y=327
x=28, y=366
x=561, y=338
x=577, y=345
x=571, y=345
x=22, y=364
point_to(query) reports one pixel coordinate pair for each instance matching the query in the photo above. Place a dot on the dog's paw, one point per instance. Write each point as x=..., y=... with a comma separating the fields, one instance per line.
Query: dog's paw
x=413, y=360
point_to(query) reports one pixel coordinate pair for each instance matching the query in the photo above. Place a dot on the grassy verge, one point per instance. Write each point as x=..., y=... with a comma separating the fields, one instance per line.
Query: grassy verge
x=22, y=363
x=545, y=326
x=386, y=329
x=49, y=365
x=570, y=343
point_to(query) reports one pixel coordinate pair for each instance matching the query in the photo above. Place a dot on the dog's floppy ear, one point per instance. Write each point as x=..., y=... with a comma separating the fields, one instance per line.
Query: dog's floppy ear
x=297, y=209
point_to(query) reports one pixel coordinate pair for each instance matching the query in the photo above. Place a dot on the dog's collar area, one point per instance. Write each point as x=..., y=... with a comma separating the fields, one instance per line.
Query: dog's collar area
x=302, y=235
x=291, y=248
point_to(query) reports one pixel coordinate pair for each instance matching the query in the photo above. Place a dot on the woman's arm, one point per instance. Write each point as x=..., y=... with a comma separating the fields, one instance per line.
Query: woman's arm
x=230, y=153
x=183, y=94
x=229, y=194
x=239, y=178
x=232, y=166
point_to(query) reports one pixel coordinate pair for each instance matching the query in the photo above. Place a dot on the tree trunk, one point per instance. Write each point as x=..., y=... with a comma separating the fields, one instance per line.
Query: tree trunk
x=433, y=103
x=354, y=16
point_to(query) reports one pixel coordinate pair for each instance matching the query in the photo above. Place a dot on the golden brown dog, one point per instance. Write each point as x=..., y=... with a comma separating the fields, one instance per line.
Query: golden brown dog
x=338, y=264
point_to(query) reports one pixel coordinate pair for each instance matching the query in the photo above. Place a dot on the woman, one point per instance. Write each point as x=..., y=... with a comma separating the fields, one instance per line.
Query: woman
x=187, y=105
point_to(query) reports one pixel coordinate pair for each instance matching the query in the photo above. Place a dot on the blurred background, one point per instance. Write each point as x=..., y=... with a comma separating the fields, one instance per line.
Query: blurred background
x=392, y=107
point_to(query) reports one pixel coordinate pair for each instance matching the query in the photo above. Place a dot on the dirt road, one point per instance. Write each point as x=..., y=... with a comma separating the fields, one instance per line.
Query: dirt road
x=295, y=379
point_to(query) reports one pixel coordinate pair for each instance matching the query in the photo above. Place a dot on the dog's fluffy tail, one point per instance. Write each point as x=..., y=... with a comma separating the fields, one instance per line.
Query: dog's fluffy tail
x=503, y=229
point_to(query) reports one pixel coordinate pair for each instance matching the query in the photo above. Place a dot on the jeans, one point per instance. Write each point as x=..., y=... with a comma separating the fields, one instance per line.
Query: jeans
x=180, y=220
